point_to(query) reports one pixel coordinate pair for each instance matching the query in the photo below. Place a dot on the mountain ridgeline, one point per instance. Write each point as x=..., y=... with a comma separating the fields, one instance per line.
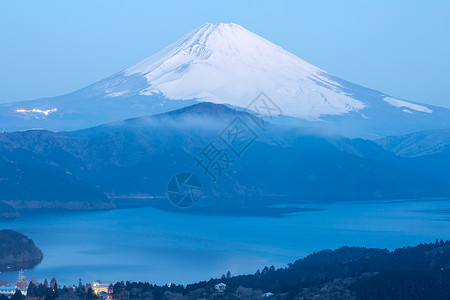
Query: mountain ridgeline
x=283, y=164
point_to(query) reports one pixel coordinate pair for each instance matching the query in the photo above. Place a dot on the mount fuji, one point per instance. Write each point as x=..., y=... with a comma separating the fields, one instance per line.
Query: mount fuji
x=224, y=63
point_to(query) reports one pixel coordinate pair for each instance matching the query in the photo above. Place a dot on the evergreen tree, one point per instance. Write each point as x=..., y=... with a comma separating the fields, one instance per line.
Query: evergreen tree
x=43, y=291
x=32, y=290
x=90, y=294
x=17, y=296
x=53, y=283
x=228, y=275
x=55, y=289
x=65, y=290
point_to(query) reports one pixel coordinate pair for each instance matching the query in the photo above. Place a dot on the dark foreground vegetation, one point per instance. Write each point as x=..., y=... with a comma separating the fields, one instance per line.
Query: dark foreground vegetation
x=421, y=272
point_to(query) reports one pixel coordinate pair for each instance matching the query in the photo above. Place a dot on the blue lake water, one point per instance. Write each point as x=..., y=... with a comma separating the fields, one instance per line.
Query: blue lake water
x=147, y=244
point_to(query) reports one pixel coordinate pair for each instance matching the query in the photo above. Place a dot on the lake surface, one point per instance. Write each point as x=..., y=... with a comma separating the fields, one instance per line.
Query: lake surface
x=147, y=244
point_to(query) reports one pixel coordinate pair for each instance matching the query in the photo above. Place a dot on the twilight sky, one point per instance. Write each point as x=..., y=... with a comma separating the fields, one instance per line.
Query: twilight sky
x=49, y=48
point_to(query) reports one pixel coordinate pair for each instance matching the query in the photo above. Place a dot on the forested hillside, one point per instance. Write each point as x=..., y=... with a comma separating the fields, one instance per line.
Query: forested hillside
x=17, y=251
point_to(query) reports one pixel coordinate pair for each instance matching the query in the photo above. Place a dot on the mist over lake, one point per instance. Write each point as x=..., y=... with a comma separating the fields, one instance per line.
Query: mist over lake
x=148, y=244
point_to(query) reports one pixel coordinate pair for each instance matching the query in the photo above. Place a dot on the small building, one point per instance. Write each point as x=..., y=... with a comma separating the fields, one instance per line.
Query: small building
x=10, y=290
x=98, y=287
x=106, y=296
x=21, y=285
x=220, y=287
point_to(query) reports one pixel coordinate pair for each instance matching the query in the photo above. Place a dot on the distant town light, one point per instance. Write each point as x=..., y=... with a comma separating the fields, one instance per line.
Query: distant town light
x=36, y=110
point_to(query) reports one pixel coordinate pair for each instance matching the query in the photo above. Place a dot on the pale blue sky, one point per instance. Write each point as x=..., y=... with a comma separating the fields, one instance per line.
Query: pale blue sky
x=402, y=48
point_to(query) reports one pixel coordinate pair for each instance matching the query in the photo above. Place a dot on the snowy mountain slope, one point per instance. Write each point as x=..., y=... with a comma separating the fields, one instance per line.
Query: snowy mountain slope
x=417, y=143
x=225, y=63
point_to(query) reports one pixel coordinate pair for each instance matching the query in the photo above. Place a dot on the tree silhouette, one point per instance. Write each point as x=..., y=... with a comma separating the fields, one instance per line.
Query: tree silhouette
x=17, y=296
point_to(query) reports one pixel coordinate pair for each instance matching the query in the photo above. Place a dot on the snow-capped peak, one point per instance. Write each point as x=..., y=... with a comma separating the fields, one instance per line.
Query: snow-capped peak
x=225, y=63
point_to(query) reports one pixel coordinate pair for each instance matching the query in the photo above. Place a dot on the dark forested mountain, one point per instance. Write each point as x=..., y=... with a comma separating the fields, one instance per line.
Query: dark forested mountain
x=39, y=186
x=35, y=173
x=17, y=251
x=139, y=156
